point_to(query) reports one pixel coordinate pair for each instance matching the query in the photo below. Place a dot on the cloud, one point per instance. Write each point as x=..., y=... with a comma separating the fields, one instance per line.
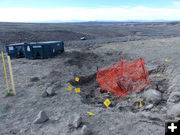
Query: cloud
x=176, y=3
x=88, y=14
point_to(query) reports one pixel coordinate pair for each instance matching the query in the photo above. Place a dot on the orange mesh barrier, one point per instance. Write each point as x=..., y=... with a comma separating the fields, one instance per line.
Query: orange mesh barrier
x=124, y=77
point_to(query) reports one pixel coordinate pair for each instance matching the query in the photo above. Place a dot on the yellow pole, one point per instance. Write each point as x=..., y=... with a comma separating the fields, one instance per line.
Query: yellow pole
x=11, y=74
x=5, y=72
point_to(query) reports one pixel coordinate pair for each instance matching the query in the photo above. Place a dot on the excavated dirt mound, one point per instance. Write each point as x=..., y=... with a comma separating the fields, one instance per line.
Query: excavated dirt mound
x=79, y=59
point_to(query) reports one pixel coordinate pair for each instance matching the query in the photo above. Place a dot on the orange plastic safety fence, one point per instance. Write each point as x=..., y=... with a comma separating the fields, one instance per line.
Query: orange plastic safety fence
x=124, y=77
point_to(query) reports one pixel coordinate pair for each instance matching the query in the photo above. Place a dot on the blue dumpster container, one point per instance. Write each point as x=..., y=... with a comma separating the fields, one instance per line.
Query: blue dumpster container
x=42, y=50
x=16, y=50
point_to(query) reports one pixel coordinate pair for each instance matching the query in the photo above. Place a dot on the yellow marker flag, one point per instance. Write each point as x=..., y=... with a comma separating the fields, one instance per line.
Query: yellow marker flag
x=11, y=74
x=5, y=72
x=90, y=113
x=77, y=90
x=158, y=75
x=69, y=88
x=166, y=60
x=77, y=79
x=140, y=103
x=107, y=102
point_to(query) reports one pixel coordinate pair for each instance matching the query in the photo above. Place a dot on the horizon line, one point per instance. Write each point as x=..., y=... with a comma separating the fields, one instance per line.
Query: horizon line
x=98, y=21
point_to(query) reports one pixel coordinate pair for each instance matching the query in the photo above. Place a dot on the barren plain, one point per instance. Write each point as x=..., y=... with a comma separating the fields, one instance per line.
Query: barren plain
x=106, y=44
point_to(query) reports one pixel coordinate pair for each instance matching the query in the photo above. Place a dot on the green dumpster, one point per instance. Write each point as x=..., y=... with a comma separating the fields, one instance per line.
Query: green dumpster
x=16, y=50
x=42, y=50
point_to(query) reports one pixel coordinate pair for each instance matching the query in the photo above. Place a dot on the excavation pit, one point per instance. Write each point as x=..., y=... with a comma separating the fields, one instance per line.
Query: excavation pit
x=92, y=94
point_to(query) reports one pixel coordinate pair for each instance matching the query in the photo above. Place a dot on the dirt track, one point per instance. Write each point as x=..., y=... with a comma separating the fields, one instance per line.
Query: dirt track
x=124, y=116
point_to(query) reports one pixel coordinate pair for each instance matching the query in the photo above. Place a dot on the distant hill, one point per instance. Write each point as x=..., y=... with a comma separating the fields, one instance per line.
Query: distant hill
x=98, y=21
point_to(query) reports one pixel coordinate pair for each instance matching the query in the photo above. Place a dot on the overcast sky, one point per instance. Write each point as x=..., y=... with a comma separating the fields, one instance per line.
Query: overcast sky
x=88, y=10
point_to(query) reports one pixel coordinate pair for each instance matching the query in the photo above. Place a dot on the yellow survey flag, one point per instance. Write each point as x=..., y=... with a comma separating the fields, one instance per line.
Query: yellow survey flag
x=77, y=79
x=11, y=74
x=140, y=103
x=77, y=90
x=107, y=102
x=158, y=75
x=90, y=113
x=69, y=88
x=5, y=71
x=166, y=60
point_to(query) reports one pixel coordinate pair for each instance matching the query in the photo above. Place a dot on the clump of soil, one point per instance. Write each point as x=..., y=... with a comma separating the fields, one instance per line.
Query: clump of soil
x=34, y=79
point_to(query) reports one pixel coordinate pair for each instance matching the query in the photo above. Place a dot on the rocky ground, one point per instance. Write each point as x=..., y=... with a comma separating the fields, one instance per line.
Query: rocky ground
x=44, y=106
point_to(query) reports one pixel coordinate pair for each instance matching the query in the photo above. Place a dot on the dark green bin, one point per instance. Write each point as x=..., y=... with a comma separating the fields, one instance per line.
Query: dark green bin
x=43, y=50
x=16, y=50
